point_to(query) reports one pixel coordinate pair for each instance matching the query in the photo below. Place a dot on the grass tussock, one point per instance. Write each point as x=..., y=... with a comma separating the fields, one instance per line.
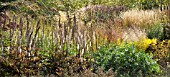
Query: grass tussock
x=133, y=34
x=140, y=18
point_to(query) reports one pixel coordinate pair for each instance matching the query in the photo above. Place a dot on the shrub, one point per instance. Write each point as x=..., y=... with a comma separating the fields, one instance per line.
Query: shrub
x=125, y=60
x=160, y=51
x=156, y=31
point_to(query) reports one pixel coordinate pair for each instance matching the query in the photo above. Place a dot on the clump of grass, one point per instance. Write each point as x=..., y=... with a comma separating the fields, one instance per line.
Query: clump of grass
x=133, y=34
x=156, y=31
x=140, y=18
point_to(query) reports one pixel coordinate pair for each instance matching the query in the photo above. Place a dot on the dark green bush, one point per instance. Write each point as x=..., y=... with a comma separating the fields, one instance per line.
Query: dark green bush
x=125, y=60
x=156, y=31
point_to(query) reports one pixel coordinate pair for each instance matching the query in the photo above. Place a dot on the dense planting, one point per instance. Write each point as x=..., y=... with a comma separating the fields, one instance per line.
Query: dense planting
x=125, y=60
x=89, y=38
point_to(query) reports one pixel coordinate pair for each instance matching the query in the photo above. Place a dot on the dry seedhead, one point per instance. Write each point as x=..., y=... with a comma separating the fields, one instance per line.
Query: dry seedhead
x=12, y=25
x=36, y=32
x=133, y=34
x=99, y=13
x=3, y=22
x=62, y=38
x=140, y=18
x=106, y=9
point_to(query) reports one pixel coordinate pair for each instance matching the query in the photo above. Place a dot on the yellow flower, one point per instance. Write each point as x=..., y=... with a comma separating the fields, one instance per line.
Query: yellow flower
x=169, y=43
x=120, y=43
x=154, y=41
x=162, y=42
x=144, y=43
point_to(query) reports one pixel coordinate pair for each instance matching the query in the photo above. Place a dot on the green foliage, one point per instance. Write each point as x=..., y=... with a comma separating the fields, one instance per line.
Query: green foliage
x=156, y=31
x=104, y=2
x=72, y=5
x=102, y=56
x=167, y=31
x=149, y=4
x=54, y=51
x=142, y=4
x=125, y=60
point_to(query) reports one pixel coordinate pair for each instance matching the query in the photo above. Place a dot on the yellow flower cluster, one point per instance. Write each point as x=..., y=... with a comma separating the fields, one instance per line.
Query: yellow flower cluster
x=144, y=43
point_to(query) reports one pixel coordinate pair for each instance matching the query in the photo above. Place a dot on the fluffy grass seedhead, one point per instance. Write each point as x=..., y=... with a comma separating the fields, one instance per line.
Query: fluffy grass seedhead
x=133, y=34
x=140, y=18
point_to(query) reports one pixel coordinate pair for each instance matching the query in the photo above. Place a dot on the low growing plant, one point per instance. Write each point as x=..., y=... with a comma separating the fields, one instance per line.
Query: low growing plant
x=125, y=60
x=156, y=31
